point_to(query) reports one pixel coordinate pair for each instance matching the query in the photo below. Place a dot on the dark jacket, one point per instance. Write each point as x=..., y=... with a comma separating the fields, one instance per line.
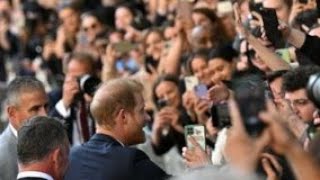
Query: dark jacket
x=102, y=157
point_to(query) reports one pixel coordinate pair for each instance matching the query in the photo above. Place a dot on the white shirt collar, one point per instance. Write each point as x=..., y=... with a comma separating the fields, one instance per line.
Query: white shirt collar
x=120, y=143
x=13, y=130
x=35, y=174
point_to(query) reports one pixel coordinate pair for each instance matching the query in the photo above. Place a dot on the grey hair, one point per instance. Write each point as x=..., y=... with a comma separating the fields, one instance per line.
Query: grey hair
x=21, y=85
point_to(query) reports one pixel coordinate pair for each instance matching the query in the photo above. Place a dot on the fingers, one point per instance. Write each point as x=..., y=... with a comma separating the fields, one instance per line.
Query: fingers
x=188, y=154
x=259, y=21
x=152, y=69
x=262, y=141
x=272, y=159
x=237, y=12
x=193, y=141
x=271, y=175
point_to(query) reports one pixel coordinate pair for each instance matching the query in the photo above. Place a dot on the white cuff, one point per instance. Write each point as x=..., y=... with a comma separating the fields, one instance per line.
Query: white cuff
x=62, y=110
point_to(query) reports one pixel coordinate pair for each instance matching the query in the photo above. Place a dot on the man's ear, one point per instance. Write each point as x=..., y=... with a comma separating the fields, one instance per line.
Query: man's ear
x=11, y=111
x=122, y=116
x=56, y=158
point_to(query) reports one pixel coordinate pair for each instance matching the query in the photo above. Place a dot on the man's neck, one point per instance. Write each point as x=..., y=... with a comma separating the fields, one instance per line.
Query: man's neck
x=38, y=167
x=101, y=130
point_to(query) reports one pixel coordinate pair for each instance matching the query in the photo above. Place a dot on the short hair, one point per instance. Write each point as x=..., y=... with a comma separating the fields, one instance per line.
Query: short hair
x=111, y=97
x=84, y=58
x=20, y=85
x=226, y=53
x=92, y=14
x=275, y=74
x=298, y=78
x=38, y=137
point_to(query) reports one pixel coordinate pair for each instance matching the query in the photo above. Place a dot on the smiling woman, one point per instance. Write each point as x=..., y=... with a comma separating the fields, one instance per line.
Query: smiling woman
x=221, y=64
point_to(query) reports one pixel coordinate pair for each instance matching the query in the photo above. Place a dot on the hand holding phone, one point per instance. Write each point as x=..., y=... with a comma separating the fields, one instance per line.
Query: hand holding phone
x=197, y=132
x=191, y=82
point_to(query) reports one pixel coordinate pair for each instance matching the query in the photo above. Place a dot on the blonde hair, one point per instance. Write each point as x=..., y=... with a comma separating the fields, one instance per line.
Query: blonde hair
x=113, y=96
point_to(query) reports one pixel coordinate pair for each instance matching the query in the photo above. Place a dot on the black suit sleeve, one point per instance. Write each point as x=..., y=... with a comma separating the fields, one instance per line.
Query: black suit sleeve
x=144, y=168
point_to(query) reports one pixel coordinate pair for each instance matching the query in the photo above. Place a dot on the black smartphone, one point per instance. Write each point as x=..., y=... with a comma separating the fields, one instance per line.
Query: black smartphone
x=270, y=21
x=220, y=115
x=250, y=96
x=149, y=61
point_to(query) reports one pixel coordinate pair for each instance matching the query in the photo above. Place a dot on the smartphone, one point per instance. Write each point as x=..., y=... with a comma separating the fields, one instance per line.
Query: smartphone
x=224, y=7
x=249, y=93
x=191, y=82
x=149, y=61
x=220, y=115
x=198, y=133
x=270, y=21
x=201, y=90
x=124, y=47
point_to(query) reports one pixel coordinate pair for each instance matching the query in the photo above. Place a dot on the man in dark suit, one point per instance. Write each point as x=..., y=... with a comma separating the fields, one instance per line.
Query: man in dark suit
x=118, y=109
x=43, y=149
x=25, y=98
x=67, y=101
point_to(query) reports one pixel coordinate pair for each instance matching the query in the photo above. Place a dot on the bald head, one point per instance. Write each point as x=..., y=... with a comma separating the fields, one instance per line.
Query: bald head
x=113, y=96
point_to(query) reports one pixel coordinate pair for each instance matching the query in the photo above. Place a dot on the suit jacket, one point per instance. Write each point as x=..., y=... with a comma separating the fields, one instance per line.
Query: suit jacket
x=102, y=157
x=8, y=155
x=54, y=98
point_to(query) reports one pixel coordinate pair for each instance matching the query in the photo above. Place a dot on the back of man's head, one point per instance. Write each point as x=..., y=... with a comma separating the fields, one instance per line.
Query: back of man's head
x=298, y=78
x=22, y=85
x=113, y=96
x=38, y=138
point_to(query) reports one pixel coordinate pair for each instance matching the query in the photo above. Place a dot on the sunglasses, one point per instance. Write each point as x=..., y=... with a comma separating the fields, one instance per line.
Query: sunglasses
x=92, y=26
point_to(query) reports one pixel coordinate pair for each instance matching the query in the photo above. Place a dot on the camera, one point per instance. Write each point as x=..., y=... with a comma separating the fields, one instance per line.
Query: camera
x=313, y=89
x=161, y=103
x=89, y=84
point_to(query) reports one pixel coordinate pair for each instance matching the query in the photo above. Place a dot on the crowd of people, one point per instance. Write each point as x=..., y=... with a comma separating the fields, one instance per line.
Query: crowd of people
x=159, y=89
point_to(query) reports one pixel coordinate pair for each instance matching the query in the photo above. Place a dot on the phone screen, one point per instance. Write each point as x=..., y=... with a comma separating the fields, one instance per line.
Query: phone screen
x=124, y=47
x=198, y=133
x=201, y=90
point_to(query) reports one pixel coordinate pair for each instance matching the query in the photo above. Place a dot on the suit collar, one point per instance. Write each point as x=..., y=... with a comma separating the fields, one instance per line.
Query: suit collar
x=105, y=137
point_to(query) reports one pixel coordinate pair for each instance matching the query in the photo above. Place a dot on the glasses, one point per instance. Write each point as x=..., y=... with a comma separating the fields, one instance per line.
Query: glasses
x=92, y=26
